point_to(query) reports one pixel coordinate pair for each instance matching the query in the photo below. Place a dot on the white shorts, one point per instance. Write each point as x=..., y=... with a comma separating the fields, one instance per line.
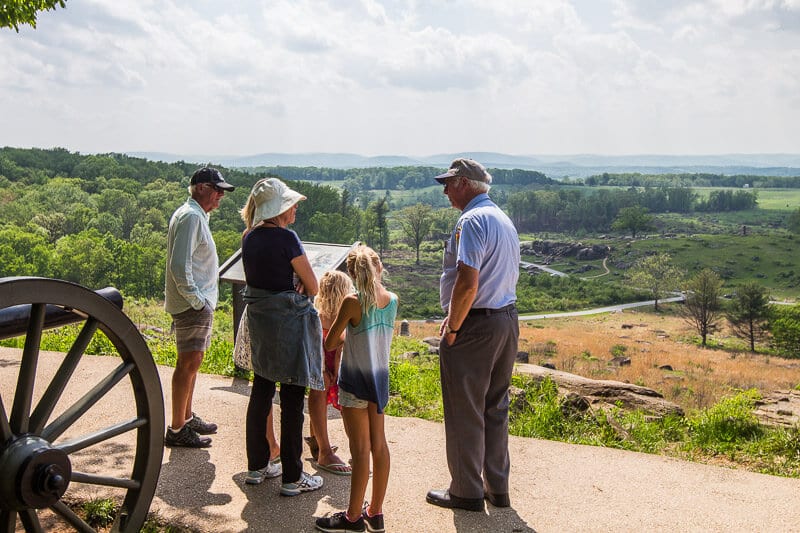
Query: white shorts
x=348, y=399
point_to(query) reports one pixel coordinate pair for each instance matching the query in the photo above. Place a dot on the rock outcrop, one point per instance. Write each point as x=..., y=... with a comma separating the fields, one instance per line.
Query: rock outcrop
x=584, y=393
x=551, y=249
x=779, y=408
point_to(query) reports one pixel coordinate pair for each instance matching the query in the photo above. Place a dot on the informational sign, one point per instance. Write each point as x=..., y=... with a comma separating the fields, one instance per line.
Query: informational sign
x=323, y=257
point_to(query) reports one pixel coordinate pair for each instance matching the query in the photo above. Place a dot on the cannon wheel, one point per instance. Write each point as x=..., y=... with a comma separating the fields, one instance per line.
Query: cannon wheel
x=36, y=463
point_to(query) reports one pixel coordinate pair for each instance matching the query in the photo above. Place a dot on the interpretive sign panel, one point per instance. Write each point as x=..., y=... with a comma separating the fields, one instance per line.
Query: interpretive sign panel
x=323, y=257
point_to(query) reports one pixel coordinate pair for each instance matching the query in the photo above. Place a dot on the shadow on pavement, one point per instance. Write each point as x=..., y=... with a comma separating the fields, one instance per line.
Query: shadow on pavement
x=496, y=519
x=186, y=480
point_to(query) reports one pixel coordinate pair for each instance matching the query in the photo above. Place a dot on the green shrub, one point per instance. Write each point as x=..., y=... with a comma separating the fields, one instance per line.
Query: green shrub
x=726, y=424
x=415, y=389
x=541, y=415
x=618, y=350
x=100, y=513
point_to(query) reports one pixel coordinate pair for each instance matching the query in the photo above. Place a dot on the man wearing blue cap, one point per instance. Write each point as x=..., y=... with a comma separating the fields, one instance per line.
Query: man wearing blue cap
x=479, y=342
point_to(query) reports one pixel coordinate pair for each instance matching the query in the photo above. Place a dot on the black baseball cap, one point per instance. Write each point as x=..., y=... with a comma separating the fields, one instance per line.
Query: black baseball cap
x=211, y=175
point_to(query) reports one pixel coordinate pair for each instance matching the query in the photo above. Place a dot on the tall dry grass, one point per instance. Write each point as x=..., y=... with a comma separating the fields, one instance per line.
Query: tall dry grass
x=654, y=342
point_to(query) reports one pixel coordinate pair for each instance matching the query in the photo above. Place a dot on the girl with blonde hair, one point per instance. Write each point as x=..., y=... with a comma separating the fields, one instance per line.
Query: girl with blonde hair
x=334, y=287
x=368, y=319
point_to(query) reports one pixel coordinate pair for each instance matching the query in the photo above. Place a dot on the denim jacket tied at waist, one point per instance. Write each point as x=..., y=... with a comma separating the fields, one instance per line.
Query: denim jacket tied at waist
x=285, y=337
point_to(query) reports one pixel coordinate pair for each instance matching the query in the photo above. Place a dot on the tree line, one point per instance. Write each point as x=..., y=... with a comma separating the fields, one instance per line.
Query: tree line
x=102, y=219
x=570, y=209
x=737, y=181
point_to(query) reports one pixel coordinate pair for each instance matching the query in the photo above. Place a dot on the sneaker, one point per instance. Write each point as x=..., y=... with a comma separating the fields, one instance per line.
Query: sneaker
x=339, y=522
x=186, y=437
x=374, y=523
x=306, y=483
x=201, y=427
x=255, y=477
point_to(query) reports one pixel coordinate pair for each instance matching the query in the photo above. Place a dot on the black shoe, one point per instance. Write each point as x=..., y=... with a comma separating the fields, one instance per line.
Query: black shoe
x=186, y=437
x=498, y=500
x=443, y=498
x=374, y=523
x=200, y=426
x=339, y=522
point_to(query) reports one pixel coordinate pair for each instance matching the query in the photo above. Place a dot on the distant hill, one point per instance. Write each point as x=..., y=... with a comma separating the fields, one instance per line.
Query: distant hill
x=553, y=166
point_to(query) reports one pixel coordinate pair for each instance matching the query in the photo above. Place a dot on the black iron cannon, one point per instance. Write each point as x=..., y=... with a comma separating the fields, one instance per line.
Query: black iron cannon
x=60, y=434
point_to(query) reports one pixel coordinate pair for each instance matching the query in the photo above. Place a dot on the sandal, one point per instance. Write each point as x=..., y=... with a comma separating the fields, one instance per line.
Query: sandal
x=314, y=447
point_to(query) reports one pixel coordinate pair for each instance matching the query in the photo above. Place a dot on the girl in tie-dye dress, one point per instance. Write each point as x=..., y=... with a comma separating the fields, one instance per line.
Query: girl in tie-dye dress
x=368, y=319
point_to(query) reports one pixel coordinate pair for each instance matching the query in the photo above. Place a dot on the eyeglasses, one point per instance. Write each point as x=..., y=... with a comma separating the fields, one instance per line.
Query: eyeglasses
x=450, y=181
x=220, y=190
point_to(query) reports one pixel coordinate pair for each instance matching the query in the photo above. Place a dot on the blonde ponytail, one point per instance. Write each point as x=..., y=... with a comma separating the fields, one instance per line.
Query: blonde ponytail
x=364, y=266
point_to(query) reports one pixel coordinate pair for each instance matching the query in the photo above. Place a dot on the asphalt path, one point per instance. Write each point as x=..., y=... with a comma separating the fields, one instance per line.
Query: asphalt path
x=554, y=486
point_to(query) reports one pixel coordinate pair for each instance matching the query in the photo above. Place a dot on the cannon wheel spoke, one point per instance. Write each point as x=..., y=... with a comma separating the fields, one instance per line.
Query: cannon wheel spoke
x=71, y=518
x=136, y=371
x=20, y=412
x=30, y=520
x=62, y=377
x=5, y=427
x=8, y=521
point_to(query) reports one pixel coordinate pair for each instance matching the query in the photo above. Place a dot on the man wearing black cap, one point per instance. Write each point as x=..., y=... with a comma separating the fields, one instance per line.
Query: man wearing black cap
x=480, y=334
x=190, y=296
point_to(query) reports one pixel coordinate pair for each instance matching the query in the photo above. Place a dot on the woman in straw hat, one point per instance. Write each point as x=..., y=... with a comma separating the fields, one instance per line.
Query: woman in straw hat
x=285, y=331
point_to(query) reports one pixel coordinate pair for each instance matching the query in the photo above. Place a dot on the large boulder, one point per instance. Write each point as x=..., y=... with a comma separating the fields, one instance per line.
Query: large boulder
x=603, y=394
x=779, y=408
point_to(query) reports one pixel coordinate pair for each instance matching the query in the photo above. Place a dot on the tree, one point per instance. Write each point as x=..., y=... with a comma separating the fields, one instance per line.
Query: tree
x=16, y=12
x=375, y=229
x=416, y=222
x=24, y=251
x=785, y=329
x=702, y=302
x=748, y=312
x=657, y=274
x=633, y=219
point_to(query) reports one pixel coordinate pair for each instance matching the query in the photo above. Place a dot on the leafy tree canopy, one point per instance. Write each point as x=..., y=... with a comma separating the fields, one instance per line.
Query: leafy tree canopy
x=16, y=12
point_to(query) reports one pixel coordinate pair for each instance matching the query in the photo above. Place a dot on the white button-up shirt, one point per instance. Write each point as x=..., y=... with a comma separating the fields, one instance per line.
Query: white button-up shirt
x=192, y=262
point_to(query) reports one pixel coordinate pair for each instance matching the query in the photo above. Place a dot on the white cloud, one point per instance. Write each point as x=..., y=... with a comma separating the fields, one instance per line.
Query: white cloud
x=406, y=76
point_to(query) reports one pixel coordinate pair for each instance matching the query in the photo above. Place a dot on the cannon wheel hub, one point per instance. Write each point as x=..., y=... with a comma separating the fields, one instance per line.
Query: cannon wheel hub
x=36, y=474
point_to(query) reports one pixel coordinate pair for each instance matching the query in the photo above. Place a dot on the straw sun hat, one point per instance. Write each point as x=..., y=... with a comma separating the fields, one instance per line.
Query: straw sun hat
x=272, y=197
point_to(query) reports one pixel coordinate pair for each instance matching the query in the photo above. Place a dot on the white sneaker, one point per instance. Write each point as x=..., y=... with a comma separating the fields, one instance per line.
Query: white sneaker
x=306, y=483
x=255, y=477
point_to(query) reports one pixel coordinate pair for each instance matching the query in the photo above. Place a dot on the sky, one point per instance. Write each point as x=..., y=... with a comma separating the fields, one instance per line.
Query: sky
x=405, y=77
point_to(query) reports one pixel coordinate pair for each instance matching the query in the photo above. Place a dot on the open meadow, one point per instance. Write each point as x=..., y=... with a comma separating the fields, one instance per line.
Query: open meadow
x=700, y=377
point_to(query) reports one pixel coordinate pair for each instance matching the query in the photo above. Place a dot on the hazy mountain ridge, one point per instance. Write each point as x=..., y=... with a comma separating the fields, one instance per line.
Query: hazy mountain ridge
x=555, y=166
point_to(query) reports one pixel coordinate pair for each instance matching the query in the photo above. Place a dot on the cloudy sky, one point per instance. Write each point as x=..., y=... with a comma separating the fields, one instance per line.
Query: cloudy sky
x=406, y=77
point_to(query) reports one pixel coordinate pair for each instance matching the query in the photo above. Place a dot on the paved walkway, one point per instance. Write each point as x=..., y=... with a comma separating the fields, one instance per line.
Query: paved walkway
x=555, y=486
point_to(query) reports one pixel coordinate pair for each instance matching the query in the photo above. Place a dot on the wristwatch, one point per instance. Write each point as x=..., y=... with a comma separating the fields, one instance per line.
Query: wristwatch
x=449, y=330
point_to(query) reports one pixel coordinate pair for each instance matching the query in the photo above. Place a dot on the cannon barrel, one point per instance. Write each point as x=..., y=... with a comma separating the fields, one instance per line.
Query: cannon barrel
x=14, y=320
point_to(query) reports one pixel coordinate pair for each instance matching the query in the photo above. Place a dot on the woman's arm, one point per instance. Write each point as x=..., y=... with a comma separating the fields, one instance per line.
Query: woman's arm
x=349, y=312
x=308, y=280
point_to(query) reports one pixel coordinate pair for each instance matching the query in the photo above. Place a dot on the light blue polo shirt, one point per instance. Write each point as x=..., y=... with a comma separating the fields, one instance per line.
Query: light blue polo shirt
x=485, y=239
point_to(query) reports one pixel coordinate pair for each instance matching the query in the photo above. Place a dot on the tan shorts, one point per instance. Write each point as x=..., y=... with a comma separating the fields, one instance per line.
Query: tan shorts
x=348, y=399
x=193, y=329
